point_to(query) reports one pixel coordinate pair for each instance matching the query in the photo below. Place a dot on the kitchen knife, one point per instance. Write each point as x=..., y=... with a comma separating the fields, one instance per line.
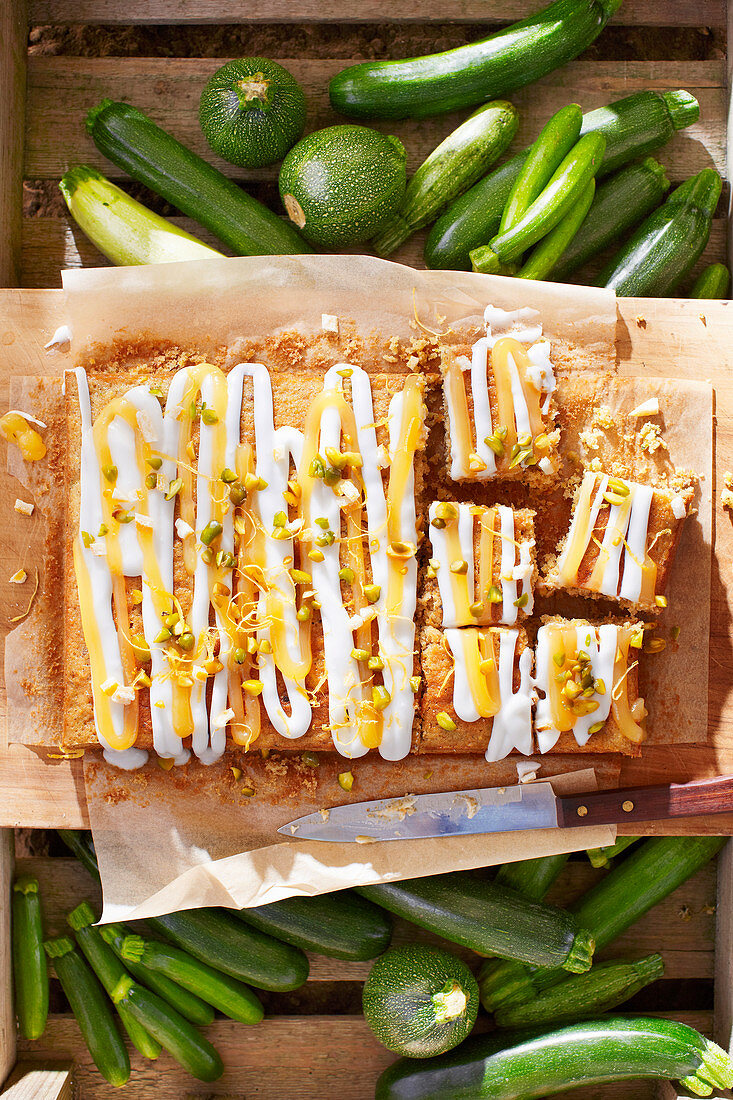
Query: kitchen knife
x=505, y=809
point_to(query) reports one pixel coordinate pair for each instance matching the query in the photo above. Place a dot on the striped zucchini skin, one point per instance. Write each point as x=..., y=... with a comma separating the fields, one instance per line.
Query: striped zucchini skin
x=580, y=996
x=423, y=86
x=666, y=246
x=621, y=202
x=452, y=167
x=532, y=878
x=216, y=938
x=507, y=1067
x=30, y=969
x=633, y=127
x=151, y=156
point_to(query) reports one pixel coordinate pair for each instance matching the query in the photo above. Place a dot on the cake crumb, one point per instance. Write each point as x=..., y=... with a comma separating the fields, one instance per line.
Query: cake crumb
x=330, y=323
x=24, y=507
x=650, y=436
x=726, y=497
x=641, y=321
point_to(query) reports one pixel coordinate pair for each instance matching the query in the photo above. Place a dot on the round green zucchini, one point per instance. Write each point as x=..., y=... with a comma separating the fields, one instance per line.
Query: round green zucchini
x=252, y=111
x=340, y=185
x=420, y=1001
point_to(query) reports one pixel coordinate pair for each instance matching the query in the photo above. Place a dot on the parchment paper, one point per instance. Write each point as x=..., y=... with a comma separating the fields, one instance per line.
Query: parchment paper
x=160, y=835
x=231, y=855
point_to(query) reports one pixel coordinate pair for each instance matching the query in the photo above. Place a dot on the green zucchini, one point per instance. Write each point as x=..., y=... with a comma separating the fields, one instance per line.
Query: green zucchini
x=581, y=996
x=82, y=846
x=216, y=938
x=30, y=969
x=420, y=1001
x=532, y=878
x=601, y=857
x=567, y=185
x=511, y=1066
x=92, y=1011
x=340, y=925
x=632, y=127
x=649, y=874
x=461, y=159
x=666, y=246
x=252, y=111
x=190, y=1006
x=713, y=282
x=620, y=203
x=556, y=138
x=341, y=185
x=422, y=86
x=543, y=257
x=110, y=971
x=487, y=918
x=180, y=1038
x=232, y=997
x=151, y=156
x=124, y=230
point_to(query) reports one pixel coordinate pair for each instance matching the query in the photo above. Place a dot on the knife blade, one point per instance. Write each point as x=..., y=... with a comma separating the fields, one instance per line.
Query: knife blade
x=507, y=809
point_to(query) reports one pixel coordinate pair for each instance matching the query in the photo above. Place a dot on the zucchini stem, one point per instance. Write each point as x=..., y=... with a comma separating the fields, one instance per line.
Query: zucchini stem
x=450, y=1002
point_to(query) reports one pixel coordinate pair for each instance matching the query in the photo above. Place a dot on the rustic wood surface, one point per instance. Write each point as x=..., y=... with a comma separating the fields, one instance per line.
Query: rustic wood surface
x=47, y=1081
x=693, y=13
x=13, y=25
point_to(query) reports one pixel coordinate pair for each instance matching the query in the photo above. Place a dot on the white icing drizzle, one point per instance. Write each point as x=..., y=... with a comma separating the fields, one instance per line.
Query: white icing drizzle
x=146, y=550
x=511, y=725
x=523, y=326
x=274, y=450
x=481, y=405
x=515, y=565
x=600, y=643
x=624, y=538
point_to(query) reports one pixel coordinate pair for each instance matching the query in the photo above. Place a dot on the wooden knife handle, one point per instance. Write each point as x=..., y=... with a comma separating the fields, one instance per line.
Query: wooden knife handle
x=704, y=796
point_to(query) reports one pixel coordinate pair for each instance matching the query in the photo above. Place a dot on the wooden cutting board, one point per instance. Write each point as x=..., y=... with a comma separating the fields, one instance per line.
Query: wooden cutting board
x=668, y=338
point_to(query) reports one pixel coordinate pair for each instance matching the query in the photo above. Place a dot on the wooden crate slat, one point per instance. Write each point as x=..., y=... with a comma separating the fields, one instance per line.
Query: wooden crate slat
x=62, y=89
x=51, y=245
x=40, y=1082
x=12, y=96
x=298, y=1057
x=643, y=12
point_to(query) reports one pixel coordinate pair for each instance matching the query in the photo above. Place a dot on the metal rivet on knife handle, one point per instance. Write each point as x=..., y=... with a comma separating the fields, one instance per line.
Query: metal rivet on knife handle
x=582, y=811
x=627, y=806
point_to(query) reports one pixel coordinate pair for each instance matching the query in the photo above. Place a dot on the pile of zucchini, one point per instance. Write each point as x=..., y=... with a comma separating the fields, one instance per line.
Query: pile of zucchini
x=586, y=183
x=158, y=983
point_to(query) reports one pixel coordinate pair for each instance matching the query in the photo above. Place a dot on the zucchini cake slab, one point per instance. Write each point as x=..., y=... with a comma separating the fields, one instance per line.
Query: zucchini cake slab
x=246, y=561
